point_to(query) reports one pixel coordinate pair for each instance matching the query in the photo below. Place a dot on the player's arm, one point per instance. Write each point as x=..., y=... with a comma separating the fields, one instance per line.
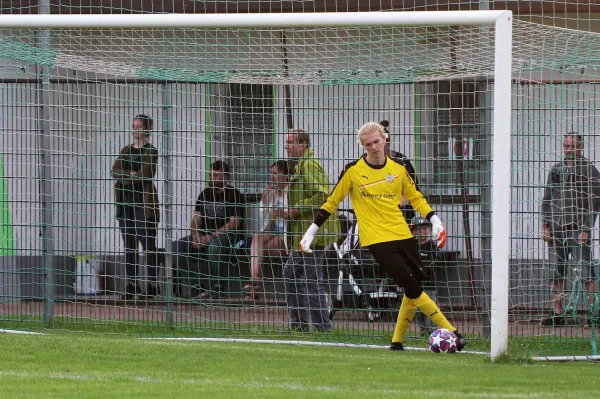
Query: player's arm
x=594, y=196
x=547, y=205
x=195, y=226
x=338, y=194
x=420, y=204
x=547, y=200
x=118, y=170
x=149, y=165
x=197, y=220
x=235, y=212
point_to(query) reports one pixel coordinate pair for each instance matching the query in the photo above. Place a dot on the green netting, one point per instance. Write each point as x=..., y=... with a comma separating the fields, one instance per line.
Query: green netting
x=233, y=95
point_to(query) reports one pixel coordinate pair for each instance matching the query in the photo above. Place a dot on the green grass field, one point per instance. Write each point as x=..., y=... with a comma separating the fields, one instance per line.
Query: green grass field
x=79, y=365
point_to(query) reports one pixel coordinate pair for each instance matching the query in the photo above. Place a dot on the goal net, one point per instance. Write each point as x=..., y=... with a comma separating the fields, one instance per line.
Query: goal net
x=225, y=100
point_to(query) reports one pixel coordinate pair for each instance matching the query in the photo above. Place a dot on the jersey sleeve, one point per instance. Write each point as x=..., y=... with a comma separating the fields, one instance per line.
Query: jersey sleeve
x=411, y=193
x=342, y=188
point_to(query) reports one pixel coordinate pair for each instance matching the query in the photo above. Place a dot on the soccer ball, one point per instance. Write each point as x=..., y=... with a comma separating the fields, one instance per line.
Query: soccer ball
x=442, y=341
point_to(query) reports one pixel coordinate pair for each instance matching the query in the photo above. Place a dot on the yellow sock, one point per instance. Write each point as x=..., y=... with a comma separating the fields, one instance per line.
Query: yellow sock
x=432, y=311
x=405, y=316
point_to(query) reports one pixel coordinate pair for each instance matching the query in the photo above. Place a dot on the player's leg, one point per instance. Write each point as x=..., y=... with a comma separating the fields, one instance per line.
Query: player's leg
x=593, y=316
x=186, y=275
x=558, y=257
x=146, y=235
x=274, y=251
x=583, y=257
x=407, y=312
x=214, y=267
x=256, y=249
x=131, y=261
x=424, y=323
x=558, y=293
x=409, y=250
x=256, y=258
x=316, y=291
x=295, y=294
x=394, y=257
x=274, y=247
x=388, y=257
x=128, y=233
x=264, y=247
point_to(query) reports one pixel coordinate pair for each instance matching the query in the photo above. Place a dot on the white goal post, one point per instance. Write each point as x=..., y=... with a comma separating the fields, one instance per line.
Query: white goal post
x=501, y=21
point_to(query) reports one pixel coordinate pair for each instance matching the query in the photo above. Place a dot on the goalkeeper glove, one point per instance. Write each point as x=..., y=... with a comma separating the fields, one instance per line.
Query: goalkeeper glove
x=307, y=239
x=438, y=231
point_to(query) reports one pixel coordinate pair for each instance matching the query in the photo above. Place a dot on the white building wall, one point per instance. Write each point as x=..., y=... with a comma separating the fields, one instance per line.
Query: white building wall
x=90, y=124
x=541, y=116
x=18, y=124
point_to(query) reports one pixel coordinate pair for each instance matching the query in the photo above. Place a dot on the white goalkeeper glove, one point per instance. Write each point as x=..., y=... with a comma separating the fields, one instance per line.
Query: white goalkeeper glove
x=308, y=238
x=438, y=231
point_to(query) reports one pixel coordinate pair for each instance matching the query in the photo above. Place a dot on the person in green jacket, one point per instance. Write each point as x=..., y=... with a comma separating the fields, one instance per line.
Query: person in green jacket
x=309, y=188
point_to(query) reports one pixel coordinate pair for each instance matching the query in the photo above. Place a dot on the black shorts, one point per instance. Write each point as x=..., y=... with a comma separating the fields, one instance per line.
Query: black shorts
x=402, y=262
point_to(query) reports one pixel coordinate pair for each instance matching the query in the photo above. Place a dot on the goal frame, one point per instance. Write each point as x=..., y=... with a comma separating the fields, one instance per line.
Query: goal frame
x=500, y=20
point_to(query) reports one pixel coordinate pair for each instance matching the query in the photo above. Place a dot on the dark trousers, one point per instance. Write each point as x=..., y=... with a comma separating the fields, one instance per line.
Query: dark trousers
x=305, y=291
x=205, y=265
x=136, y=230
x=402, y=262
x=565, y=243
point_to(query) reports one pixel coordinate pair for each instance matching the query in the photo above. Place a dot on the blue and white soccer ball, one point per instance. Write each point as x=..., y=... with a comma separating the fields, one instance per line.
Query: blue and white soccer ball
x=442, y=341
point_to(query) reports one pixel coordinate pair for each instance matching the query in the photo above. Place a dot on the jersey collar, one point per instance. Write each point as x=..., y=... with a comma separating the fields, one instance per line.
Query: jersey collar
x=375, y=166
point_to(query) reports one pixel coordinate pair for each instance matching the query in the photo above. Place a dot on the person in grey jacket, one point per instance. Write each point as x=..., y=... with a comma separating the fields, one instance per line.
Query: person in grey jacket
x=569, y=209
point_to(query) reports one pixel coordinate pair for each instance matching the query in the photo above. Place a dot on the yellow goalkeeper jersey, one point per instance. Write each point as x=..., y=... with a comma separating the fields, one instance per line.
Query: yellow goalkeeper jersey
x=376, y=193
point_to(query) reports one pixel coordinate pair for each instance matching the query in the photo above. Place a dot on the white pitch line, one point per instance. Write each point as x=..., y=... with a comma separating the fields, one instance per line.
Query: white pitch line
x=267, y=384
x=566, y=358
x=300, y=343
x=20, y=332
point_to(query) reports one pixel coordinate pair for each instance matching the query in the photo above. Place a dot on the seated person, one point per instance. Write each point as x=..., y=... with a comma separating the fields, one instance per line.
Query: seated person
x=421, y=230
x=270, y=241
x=215, y=228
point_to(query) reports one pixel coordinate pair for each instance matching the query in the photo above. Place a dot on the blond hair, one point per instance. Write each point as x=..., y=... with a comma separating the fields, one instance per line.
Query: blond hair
x=368, y=128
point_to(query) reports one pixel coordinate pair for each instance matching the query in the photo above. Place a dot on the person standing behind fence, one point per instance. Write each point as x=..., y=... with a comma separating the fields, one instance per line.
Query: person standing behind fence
x=309, y=188
x=137, y=205
x=569, y=209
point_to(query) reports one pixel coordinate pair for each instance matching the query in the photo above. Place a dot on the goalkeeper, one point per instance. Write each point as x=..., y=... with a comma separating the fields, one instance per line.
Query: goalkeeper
x=376, y=185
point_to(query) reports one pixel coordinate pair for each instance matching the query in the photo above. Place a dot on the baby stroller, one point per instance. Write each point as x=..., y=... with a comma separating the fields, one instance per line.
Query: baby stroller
x=369, y=288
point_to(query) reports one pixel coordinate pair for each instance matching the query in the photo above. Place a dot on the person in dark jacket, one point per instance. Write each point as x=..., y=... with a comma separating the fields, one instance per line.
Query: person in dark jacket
x=137, y=204
x=216, y=226
x=569, y=210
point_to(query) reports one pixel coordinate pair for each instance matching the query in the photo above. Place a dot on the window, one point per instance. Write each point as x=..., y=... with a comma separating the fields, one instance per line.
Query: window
x=247, y=133
x=451, y=112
